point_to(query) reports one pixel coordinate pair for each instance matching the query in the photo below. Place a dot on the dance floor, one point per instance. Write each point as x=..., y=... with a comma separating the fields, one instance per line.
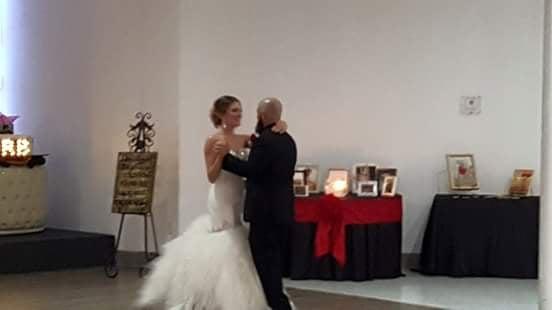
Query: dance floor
x=87, y=289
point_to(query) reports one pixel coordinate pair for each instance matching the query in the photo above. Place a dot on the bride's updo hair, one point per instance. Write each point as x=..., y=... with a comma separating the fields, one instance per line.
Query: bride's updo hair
x=220, y=106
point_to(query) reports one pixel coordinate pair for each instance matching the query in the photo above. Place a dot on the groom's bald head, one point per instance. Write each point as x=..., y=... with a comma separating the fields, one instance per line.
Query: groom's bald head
x=269, y=110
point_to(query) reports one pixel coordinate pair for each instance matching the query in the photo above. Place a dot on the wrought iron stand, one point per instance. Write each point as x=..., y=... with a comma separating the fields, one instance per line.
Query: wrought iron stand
x=140, y=135
x=112, y=269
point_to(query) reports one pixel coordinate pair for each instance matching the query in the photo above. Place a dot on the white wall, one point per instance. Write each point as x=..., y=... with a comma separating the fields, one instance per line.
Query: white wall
x=362, y=81
x=370, y=81
x=78, y=72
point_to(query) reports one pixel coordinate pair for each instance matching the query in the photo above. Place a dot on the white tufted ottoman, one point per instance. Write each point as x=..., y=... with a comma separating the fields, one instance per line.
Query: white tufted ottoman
x=22, y=199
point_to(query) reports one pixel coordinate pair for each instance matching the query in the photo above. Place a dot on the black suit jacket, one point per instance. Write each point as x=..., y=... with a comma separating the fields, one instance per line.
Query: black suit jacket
x=269, y=172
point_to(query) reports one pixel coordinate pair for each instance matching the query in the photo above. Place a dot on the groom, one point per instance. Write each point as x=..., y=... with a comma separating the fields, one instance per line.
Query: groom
x=269, y=201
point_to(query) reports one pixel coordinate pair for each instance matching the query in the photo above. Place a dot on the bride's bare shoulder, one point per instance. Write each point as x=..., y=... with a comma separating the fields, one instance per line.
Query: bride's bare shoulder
x=213, y=136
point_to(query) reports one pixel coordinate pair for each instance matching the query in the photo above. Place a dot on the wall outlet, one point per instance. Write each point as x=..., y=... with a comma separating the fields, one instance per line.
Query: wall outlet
x=470, y=105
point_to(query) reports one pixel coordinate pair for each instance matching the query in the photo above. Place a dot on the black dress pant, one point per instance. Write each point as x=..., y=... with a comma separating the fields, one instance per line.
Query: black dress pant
x=267, y=241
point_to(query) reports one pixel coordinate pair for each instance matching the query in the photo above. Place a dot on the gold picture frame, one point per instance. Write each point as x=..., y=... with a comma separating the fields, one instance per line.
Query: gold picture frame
x=521, y=182
x=462, y=172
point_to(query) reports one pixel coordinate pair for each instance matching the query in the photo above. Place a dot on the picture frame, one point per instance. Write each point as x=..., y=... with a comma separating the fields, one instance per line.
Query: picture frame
x=367, y=188
x=462, y=172
x=381, y=173
x=389, y=186
x=311, y=176
x=301, y=190
x=299, y=177
x=521, y=182
x=362, y=172
x=372, y=169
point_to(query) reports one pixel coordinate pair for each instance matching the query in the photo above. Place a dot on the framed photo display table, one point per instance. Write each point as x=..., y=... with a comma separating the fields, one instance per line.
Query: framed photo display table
x=352, y=238
x=481, y=236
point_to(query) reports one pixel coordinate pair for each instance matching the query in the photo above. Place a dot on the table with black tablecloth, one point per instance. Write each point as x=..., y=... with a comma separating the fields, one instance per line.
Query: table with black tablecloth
x=354, y=238
x=477, y=235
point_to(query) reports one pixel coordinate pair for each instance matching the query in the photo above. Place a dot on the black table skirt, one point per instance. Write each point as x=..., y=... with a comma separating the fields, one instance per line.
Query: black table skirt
x=373, y=252
x=479, y=236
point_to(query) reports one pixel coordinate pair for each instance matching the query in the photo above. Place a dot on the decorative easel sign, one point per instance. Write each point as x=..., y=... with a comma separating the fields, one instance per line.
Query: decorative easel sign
x=134, y=182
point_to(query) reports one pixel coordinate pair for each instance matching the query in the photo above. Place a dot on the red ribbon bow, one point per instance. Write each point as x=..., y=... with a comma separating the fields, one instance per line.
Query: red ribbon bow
x=330, y=232
x=332, y=215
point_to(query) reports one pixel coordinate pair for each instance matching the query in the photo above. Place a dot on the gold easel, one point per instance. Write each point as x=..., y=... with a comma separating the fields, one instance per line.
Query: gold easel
x=134, y=185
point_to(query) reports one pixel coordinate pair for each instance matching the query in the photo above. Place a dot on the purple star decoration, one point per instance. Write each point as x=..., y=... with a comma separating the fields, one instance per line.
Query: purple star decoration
x=6, y=123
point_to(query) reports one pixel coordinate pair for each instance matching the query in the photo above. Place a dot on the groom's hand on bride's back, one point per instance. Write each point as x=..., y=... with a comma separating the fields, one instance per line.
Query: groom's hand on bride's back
x=280, y=127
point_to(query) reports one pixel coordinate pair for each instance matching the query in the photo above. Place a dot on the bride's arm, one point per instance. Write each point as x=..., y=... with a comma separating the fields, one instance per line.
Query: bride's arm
x=213, y=158
x=257, y=163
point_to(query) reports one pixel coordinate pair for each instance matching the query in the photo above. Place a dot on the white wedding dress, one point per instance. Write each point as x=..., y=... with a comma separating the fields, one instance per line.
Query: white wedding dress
x=210, y=265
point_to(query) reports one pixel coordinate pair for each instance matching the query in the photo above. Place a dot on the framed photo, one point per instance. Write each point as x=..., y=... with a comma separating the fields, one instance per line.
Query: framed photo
x=372, y=172
x=521, y=182
x=381, y=173
x=299, y=177
x=367, y=188
x=312, y=176
x=389, y=186
x=363, y=172
x=461, y=171
x=301, y=190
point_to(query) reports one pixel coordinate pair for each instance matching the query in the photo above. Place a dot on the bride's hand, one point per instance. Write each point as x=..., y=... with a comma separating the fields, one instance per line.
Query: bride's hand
x=280, y=127
x=221, y=146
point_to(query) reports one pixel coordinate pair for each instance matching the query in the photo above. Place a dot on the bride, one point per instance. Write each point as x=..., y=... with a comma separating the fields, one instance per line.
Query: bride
x=210, y=265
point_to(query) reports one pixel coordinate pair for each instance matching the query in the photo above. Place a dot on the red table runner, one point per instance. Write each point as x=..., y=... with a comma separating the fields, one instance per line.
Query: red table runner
x=332, y=215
